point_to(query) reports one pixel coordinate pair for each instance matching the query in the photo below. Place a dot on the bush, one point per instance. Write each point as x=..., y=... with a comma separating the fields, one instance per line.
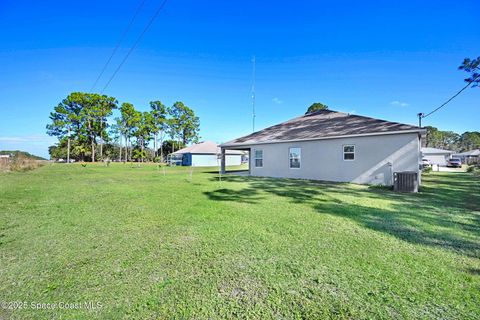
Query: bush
x=427, y=169
x=158, y=159
x=475, y=169
x=4, y=165
x=21, y=163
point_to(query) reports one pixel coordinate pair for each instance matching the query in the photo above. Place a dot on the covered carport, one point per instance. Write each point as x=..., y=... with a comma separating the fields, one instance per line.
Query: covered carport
x=224, y=150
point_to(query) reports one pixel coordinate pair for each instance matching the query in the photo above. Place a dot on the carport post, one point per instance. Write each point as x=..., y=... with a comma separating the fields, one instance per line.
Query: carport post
x=222, y=161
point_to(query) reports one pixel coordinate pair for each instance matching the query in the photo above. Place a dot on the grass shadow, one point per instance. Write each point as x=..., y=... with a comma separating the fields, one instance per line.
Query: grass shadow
x=410, y=226
x=474, y=271
x=445, y=214
x=247, y=195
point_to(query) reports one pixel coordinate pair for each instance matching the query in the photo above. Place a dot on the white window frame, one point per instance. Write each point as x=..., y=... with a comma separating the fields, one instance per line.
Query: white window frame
x=354, y=152
x=299, y=158
x=255, y=158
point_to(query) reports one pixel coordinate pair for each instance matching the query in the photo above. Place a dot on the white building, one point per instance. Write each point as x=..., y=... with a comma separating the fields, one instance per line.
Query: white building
x=4, y=158
x=469, y=157
x=333, y=146
x=437, y=156
x=204, y=154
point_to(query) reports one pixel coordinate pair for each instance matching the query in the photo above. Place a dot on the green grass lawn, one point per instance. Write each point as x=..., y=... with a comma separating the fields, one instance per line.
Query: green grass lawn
x=148, y=245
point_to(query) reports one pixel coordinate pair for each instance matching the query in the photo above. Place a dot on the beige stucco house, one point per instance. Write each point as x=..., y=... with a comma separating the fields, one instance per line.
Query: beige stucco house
x=332, y=146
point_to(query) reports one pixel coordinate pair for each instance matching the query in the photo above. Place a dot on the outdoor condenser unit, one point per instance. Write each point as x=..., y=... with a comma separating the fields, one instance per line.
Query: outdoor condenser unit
x=406, y=181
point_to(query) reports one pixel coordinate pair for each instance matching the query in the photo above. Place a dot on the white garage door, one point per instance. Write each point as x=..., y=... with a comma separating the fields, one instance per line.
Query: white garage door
x=439, y=159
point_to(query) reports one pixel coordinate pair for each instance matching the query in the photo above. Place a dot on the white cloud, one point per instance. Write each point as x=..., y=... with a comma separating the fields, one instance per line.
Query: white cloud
x=277, y=100
x=399, y=103
x=27, y=138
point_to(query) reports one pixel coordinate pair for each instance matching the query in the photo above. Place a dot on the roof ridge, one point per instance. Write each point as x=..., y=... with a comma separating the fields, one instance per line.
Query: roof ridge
x=320, y=111
x=365, y=117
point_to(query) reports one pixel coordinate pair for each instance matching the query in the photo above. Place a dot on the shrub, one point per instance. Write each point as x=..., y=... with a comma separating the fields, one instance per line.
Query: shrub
x=21, y=163
x=4, y=165
x=475, y=169
x=427, y=169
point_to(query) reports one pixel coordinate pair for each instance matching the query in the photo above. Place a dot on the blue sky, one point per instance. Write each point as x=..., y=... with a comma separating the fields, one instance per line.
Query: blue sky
x=385, y=59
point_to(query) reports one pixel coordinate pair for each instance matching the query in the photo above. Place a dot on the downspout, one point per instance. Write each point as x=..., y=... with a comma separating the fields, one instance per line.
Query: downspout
x=419, y=172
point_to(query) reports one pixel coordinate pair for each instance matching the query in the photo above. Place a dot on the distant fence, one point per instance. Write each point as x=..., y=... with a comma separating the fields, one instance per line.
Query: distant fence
x=472, y=160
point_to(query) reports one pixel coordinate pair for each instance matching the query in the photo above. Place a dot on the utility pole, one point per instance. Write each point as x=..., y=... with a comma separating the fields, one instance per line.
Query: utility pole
x=420, y=116
x=253, y=95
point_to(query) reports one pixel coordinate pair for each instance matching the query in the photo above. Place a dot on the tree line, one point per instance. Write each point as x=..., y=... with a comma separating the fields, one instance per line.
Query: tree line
x=86, y=131
x=450, y=140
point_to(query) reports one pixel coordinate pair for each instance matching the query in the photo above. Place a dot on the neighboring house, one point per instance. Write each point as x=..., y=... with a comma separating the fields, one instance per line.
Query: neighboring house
x=204, y=154
x=437, y=156
x=333, y=146
x=472, y=156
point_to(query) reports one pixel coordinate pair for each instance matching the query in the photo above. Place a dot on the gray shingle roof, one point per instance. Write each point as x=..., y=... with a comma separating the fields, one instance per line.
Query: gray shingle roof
x=474, y=153
x=320, y=125
x=428, y=150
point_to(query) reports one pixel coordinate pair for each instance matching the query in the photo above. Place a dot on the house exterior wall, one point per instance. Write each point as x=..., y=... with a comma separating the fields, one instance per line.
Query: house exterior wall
x=187, y=159
x=376, y=158
x=233, y=159
x=204, y=160
x=211, y=160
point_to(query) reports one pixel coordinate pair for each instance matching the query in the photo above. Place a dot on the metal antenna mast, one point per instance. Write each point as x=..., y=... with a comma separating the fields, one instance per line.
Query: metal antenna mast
x=420, y=116
x=253, y=95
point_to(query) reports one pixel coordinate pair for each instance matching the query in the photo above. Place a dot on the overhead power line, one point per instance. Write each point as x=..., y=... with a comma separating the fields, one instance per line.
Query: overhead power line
x=451, y=98
x=149, y=24
x=253, y=95
x=124, y=34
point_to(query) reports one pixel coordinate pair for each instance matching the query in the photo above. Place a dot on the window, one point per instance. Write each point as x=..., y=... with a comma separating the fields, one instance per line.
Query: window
x=349, y=152
x=295, y=157
x=258, y=158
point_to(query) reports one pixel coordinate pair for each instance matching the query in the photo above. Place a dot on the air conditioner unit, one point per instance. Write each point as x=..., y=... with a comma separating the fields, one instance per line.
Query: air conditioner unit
x=406, y=181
